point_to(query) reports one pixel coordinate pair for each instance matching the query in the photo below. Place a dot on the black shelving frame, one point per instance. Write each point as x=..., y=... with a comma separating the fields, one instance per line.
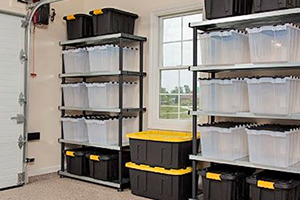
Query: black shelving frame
x=121, y=40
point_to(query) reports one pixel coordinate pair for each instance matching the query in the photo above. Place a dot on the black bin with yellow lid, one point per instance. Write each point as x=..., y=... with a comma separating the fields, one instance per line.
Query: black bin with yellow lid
x=159, y=183
x=111, y=20
x=165, y=149
x=224, y=182
x=271, y=185
x=79, y=26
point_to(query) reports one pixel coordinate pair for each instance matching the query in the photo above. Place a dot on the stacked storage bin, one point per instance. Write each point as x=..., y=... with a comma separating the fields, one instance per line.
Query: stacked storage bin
x=216, y=137
x=160, y=160
x=215, y=47
x=222, y=182
x=95, y=163
x=224, y=95
x=274, y=145
x=274, y=185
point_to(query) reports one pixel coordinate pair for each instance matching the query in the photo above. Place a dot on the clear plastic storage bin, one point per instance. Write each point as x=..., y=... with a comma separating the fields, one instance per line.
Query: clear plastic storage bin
x=106, y=132
x=106, y=58
x=275, y=147
x=225, y=141
x=75, y=129
x=224, y=95
x=76, y=60
x=75, y=95
x=274, y=43
x=224, y=47
x=106, y=95
x=271, y=95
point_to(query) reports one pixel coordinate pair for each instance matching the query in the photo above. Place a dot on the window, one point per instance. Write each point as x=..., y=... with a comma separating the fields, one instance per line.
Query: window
x=170, y=55
x=176, y=55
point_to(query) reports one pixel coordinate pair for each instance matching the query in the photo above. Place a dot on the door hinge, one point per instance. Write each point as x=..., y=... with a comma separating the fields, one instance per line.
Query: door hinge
x=22, y=56
x=21, y=178
x=20, y=119
x=21, y=142
x=22, y=99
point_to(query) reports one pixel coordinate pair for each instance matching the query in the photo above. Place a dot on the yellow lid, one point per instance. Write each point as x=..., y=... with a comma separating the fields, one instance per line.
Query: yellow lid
x=213, y=176
x=162, y=136
x=174, y=172
x=94, y=158
x=98, y=12
x=70, y=153
x=71, y=17
x=266, y=184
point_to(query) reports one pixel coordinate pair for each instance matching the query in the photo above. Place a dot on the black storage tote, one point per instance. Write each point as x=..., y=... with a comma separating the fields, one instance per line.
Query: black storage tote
x=77, y=163
x=161, y=148
x=110, y=20
x=105, y=166
x=79, y=26
x=222, y=182
x=226, y=8
x=270, y=185
x=159, y=183
x=270, y=5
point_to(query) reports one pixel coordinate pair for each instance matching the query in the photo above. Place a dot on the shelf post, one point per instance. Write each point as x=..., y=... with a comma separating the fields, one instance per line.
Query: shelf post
x=121, y=83
x=141, y=84
x=195, y=145
x=63, y=112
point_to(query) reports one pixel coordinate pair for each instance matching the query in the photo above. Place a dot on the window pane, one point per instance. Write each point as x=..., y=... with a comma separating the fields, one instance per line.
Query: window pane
x=172, y=29
x=184, y=113
x=187, y=53
x=186, y=82
x=169, y=82
x=187, y=31
x=172, y=54
x=169, y=106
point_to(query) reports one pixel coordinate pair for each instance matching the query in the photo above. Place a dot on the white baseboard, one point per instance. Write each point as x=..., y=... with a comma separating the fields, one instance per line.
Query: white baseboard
x=42, y=171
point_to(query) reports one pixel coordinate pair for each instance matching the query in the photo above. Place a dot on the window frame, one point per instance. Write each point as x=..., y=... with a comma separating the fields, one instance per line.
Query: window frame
x=156, y=66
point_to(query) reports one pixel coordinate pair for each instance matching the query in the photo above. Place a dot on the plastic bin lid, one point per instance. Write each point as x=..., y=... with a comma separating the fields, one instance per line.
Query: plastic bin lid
x=75, y=16
x=173, y=172
x=102, y=157
x=225, y=172
x=274, y=180
x=162, y=136
x=104, y=10
x=74, y=153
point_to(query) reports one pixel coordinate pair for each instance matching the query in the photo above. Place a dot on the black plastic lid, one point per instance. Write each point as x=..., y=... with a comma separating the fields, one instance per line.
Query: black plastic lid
x=275, y=127
x=225, y=124
x=76, y=16
x=228, y=173
x=281, y=180
x=104, y=10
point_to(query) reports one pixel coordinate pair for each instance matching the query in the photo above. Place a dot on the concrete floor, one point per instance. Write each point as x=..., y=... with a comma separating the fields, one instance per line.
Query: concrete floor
x=54, y=188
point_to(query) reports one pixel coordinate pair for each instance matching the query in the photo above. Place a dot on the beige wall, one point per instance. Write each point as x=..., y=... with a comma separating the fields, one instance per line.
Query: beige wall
x=45, y=88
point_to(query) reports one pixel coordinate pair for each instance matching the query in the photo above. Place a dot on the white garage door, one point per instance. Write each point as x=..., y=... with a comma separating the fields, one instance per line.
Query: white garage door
x=11, y=86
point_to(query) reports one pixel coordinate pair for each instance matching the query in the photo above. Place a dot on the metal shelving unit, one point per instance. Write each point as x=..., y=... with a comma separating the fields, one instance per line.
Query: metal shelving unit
x=121, y=40
x=239, y=22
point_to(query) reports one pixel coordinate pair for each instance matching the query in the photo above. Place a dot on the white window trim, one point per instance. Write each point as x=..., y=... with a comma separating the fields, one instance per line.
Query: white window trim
x=154, y=80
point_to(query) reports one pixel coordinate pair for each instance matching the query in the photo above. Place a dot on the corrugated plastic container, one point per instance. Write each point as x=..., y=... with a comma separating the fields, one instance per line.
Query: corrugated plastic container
x=106, y=131
x=106, y=95
x=75, y=95
x=106, y=58
x=159, y=183
x=224, y=47
x=161, y=148
x=76, y=60
x=274, y=145
x=274, y=95
x=75, y=129
x=224, y=95
x=274, y=43
x=224, y=140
